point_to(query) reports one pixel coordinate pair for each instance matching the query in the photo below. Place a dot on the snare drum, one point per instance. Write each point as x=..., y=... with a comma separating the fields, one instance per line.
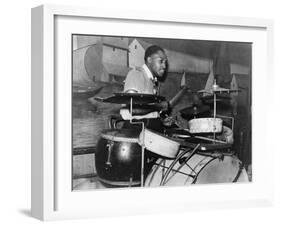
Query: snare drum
x=199, y=169
x=205, y=125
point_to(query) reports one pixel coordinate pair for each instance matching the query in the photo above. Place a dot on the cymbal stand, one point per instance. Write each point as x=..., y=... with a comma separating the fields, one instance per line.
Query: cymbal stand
x=141, y=141
x=215, y=107
x=228, y=117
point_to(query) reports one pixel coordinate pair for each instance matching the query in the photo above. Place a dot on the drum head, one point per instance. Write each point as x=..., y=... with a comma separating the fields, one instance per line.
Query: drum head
x=225, y=170
x=197, y=170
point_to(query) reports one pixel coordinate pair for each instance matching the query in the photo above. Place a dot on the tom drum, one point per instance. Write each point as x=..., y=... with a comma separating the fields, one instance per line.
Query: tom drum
x=118, y=157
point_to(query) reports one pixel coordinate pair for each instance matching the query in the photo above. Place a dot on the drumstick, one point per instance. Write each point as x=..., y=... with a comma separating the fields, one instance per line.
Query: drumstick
x=210, y=139
x=183, y=87
x=175, y=99
x=205, y=138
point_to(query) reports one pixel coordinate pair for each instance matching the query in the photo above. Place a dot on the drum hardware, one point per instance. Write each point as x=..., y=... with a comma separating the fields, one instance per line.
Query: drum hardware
x=215, y=106
x=180, y=136
x=114, y=120
x=141, y=143
x=163, y=181
x=173, y=170
x=109, y=149
x=131, y=181
x=228, y=117
x=184, y=160
x=215, y=90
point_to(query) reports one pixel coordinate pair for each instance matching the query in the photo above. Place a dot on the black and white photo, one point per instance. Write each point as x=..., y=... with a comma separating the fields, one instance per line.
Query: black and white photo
x=150, y=112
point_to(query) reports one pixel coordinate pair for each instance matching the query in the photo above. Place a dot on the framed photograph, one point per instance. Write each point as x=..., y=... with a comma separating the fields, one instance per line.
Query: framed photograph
x=134, y=113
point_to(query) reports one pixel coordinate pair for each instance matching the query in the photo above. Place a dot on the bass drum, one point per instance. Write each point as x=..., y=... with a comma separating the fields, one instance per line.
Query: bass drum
x=199, y=169
x=118, y=158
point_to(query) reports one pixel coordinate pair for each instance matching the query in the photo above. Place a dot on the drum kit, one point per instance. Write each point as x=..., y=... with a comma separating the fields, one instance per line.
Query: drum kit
x=198, y=154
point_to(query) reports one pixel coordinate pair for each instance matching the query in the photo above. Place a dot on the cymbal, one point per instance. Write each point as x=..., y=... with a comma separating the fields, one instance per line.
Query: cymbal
x=217, y=89
x=195, y=111
x=223, y=102
x=84, y=94
x=137, y=98
x=220, y=99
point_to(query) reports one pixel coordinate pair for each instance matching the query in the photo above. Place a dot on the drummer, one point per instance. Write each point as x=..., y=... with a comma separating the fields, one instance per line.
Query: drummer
x=147, y=79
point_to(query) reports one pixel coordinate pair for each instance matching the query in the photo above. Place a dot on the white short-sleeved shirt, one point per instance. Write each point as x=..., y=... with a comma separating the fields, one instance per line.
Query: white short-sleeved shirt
x=140, y=80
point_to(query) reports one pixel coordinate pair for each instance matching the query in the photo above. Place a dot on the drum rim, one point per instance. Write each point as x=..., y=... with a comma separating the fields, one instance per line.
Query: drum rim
x=119, y=183
x=147, y=136
x=119, y=139
x=217, y=158
x=206, y=119
x=198, y=168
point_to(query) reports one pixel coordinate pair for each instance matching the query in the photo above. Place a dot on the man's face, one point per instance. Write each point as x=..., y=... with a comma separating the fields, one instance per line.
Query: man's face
x=157, y=63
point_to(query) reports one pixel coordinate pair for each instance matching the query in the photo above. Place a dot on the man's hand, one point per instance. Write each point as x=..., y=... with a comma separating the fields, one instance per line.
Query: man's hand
x=168, y=121
x=184, y=87
x=162, y=106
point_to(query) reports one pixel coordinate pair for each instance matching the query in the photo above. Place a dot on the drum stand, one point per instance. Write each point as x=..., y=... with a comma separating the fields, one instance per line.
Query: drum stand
x=141, y=141
x=215, y=109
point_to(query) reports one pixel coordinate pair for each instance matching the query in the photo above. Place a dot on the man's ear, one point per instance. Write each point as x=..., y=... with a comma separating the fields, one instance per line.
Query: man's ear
x=149, y=60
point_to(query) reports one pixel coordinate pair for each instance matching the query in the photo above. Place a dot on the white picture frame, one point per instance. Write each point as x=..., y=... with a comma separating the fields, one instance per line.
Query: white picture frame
x=52, y=197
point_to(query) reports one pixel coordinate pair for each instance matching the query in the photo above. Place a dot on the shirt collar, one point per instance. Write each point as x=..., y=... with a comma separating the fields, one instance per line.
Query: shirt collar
x=148, y=72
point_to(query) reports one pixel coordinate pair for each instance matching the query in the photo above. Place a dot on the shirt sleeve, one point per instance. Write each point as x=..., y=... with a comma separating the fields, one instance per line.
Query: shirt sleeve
x=134, y=82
